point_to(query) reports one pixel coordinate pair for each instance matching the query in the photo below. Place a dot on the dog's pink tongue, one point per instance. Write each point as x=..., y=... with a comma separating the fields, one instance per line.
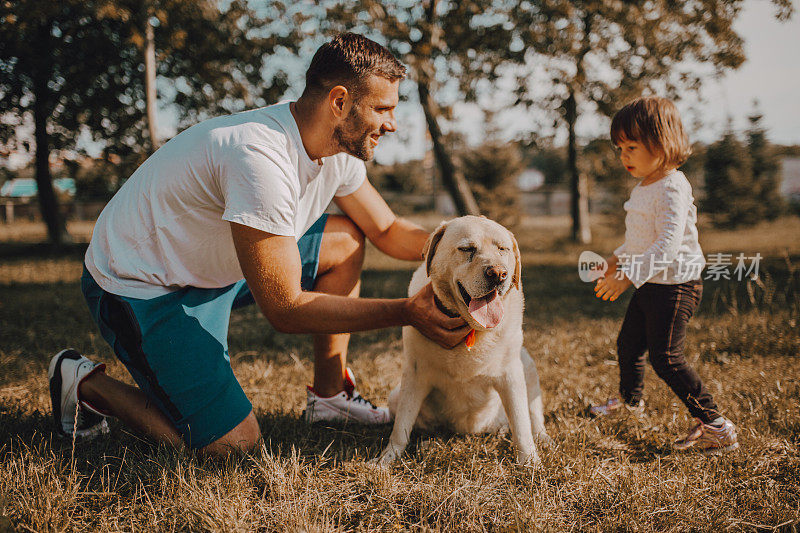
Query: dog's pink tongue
x=487, y=311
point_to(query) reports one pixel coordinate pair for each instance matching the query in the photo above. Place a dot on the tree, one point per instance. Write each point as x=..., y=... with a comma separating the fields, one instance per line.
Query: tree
x=76, y=66
x=598, y=53
x=212, y=59
x=456, y=45
x=601, y=53
x=52, y=56
x=731, y=197
x=150, y=76
x=742, y=179
x=766, y=167
x=216, y=58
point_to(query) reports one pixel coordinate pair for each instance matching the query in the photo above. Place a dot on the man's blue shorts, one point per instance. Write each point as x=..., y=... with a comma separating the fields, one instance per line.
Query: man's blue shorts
x=175, y=346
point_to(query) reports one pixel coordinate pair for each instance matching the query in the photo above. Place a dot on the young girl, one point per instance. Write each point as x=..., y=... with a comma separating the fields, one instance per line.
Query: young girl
x=662, y=259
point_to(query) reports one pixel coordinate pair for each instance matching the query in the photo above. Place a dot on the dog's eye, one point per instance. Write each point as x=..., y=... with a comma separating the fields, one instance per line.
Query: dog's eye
x=502, y=248
x=468, y=249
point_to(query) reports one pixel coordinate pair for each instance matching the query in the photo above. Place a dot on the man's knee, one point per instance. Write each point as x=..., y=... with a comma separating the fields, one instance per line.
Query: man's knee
x=346, y=232
x=343, y=242
x=243, y=438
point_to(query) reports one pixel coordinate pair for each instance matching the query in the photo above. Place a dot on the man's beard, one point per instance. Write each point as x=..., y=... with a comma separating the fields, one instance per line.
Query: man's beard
x=353, y=137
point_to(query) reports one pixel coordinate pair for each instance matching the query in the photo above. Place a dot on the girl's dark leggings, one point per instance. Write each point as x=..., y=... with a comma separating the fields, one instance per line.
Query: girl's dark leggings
x=656, y=321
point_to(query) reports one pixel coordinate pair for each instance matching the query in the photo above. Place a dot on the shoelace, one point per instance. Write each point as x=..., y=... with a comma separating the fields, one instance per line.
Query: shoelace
x=358, y=398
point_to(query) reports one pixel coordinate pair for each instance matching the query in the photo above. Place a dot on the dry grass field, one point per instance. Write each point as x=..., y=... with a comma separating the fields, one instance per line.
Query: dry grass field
x=618, y=475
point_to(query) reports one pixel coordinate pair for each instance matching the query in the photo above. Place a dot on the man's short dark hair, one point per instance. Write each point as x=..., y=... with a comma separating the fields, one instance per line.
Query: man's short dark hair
x=349, y=60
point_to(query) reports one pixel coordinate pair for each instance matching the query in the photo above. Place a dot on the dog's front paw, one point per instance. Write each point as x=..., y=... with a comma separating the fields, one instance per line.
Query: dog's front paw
x=543, y=439
x=387, y=457
x=529, y=460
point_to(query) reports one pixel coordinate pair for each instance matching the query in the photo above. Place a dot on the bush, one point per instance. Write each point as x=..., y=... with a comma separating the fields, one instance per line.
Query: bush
x=410, y=177
x=552, y=162
x=766, y=169
x=742, y=179
x=492, y=170
x=731, y=197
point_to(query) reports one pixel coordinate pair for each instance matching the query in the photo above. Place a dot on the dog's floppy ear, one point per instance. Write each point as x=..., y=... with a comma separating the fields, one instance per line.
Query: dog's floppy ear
x=430, y=246
x=515, y=279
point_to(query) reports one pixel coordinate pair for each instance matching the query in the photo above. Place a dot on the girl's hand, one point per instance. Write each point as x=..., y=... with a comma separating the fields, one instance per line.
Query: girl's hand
x=611, y=286
x=613, y=263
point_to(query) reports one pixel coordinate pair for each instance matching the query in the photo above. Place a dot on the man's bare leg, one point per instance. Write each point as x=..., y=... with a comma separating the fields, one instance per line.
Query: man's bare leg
x=132, y=406
x=341, y=257
x=340, y=262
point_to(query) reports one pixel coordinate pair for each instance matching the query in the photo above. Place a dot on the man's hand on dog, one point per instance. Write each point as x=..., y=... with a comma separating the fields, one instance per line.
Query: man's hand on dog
x=422, y=313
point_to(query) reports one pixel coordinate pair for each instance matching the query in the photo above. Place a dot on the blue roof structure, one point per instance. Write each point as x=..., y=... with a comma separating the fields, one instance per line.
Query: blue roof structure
x=27, y=188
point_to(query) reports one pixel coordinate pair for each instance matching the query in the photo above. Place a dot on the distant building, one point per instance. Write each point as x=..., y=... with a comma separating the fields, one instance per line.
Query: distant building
x=530, y=179
x=26, y=188
x=790, y=178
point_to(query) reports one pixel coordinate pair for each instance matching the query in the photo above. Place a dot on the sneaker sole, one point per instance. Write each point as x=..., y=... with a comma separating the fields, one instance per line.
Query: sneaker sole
x=93, y=432
x=616, y=412
x=341, y=418
x=54, y=372
x=708, y=451
x=344, y=418
x=719, y=451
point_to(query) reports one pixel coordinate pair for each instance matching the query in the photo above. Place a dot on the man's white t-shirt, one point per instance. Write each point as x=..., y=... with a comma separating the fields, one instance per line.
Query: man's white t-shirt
x=168, y=226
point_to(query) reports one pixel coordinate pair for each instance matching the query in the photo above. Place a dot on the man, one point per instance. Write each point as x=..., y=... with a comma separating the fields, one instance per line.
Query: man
x=235, y=197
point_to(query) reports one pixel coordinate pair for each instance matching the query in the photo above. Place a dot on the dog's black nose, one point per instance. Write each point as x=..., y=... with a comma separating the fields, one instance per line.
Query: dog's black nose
x=495, y=274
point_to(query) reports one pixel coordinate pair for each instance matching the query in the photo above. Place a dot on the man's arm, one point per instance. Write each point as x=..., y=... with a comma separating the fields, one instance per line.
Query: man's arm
x=396, y=237
x=271, y=265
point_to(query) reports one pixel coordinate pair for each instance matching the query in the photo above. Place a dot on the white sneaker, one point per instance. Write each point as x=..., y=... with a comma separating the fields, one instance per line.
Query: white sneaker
x=709, y=438
x=347, y=406
x=614, y=406
x=67, y=369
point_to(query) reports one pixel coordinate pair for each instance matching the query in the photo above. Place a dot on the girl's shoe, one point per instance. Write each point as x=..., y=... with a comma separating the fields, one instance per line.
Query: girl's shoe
x=614, y=406
x=709, y=439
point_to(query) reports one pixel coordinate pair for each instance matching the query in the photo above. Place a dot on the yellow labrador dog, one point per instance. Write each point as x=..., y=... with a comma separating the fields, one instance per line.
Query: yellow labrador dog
x=473, y=264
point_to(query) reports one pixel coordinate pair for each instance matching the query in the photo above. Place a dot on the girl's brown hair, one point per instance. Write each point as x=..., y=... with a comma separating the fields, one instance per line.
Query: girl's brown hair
x=655, y=122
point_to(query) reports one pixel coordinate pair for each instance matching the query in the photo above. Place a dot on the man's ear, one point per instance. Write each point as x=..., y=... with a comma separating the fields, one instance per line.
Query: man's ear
x=515, y=279
x=339, y=101
x=430, y=246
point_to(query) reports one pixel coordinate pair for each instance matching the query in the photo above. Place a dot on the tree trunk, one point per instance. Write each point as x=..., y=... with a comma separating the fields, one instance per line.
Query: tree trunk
x=452, y=178
x=150, y=79
x=48, y=204
x=579, y=186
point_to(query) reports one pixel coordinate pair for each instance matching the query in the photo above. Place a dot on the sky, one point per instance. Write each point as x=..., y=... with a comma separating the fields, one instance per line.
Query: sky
x=770, y=74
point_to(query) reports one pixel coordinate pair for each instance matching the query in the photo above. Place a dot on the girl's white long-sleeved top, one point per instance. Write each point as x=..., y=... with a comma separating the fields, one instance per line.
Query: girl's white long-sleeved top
x=661, y=243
